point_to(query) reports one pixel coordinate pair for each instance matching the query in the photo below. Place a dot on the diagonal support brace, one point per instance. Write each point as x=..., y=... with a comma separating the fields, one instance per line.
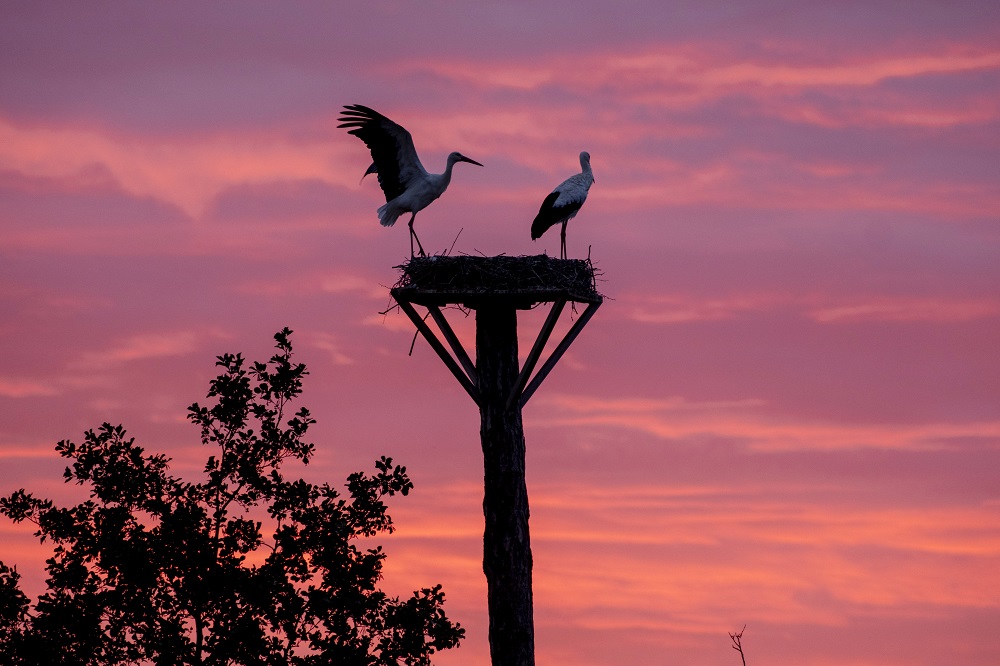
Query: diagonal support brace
x=558, y=352
x=468, y=384
x=536, y=351
x=454, y=343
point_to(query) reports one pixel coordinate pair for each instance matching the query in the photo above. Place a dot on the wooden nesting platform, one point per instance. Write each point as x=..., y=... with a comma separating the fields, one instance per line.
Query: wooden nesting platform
x=476, y=281
x=491, y=284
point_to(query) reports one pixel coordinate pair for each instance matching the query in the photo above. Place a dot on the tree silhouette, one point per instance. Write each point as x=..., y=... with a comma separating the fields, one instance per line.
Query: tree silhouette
x=154, y=569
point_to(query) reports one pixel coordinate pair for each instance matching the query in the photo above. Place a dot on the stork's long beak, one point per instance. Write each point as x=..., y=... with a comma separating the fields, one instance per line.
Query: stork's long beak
x=466, y=159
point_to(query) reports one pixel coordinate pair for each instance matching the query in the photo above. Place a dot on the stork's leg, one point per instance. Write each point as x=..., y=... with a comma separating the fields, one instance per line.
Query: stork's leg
x=562, y=236
x=413, y=236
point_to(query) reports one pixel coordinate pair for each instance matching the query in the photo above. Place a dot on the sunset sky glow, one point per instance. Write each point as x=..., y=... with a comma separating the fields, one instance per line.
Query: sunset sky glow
x=786, y=415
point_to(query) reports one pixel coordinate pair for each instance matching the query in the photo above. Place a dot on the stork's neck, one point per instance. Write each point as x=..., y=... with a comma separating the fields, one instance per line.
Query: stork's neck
x=446, y=176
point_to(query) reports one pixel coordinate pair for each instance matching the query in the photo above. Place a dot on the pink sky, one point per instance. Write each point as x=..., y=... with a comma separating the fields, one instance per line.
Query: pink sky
x=787, y=413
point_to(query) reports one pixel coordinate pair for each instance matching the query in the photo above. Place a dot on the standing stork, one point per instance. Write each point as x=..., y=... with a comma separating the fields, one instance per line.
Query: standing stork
x=564, y=203
x=407, y=186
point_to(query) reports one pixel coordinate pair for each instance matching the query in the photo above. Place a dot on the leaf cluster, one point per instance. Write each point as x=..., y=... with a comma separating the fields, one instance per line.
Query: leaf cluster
x=152, y=569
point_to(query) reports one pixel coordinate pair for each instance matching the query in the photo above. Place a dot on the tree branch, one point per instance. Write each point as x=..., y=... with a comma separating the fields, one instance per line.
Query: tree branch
x=737, y=645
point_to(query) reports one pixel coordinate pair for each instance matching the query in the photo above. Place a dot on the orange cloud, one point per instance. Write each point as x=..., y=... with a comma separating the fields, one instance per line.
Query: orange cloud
x=680, y=308
x=17, y=451
x=743, y=421
x=396, y=322
x=885, y=113
x=909, y=309
x=147, y=345
x=677, y=308
x=318, y=281
x=693, y=70
x=11, y=387
x=865, y=73
x=332, y=345
x=187, y=172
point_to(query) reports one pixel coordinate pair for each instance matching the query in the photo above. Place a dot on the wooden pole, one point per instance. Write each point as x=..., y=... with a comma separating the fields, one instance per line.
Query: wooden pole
x=506, y=543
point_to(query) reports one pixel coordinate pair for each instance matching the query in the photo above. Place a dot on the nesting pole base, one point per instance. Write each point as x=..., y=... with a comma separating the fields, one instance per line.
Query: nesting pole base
x=496, y=288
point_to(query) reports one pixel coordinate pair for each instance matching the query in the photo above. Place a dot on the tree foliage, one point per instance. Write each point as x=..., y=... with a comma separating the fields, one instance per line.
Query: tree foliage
x=155, y=569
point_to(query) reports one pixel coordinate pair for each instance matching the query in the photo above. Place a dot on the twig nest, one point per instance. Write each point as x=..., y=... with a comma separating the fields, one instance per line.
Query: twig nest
x=471, y=280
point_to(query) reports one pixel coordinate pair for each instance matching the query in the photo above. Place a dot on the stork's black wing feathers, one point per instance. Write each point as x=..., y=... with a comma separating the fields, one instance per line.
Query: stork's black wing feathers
x=393, y=155
x=549, y=214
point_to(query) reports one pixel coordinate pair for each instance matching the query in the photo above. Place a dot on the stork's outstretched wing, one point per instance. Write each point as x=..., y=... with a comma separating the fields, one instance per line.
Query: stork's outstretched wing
x=394, y=157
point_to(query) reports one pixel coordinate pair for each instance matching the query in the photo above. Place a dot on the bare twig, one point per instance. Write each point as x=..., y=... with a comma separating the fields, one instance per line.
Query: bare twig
x=737, y=645
x=455, y=241
x=392, y=306
x=416, y=333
